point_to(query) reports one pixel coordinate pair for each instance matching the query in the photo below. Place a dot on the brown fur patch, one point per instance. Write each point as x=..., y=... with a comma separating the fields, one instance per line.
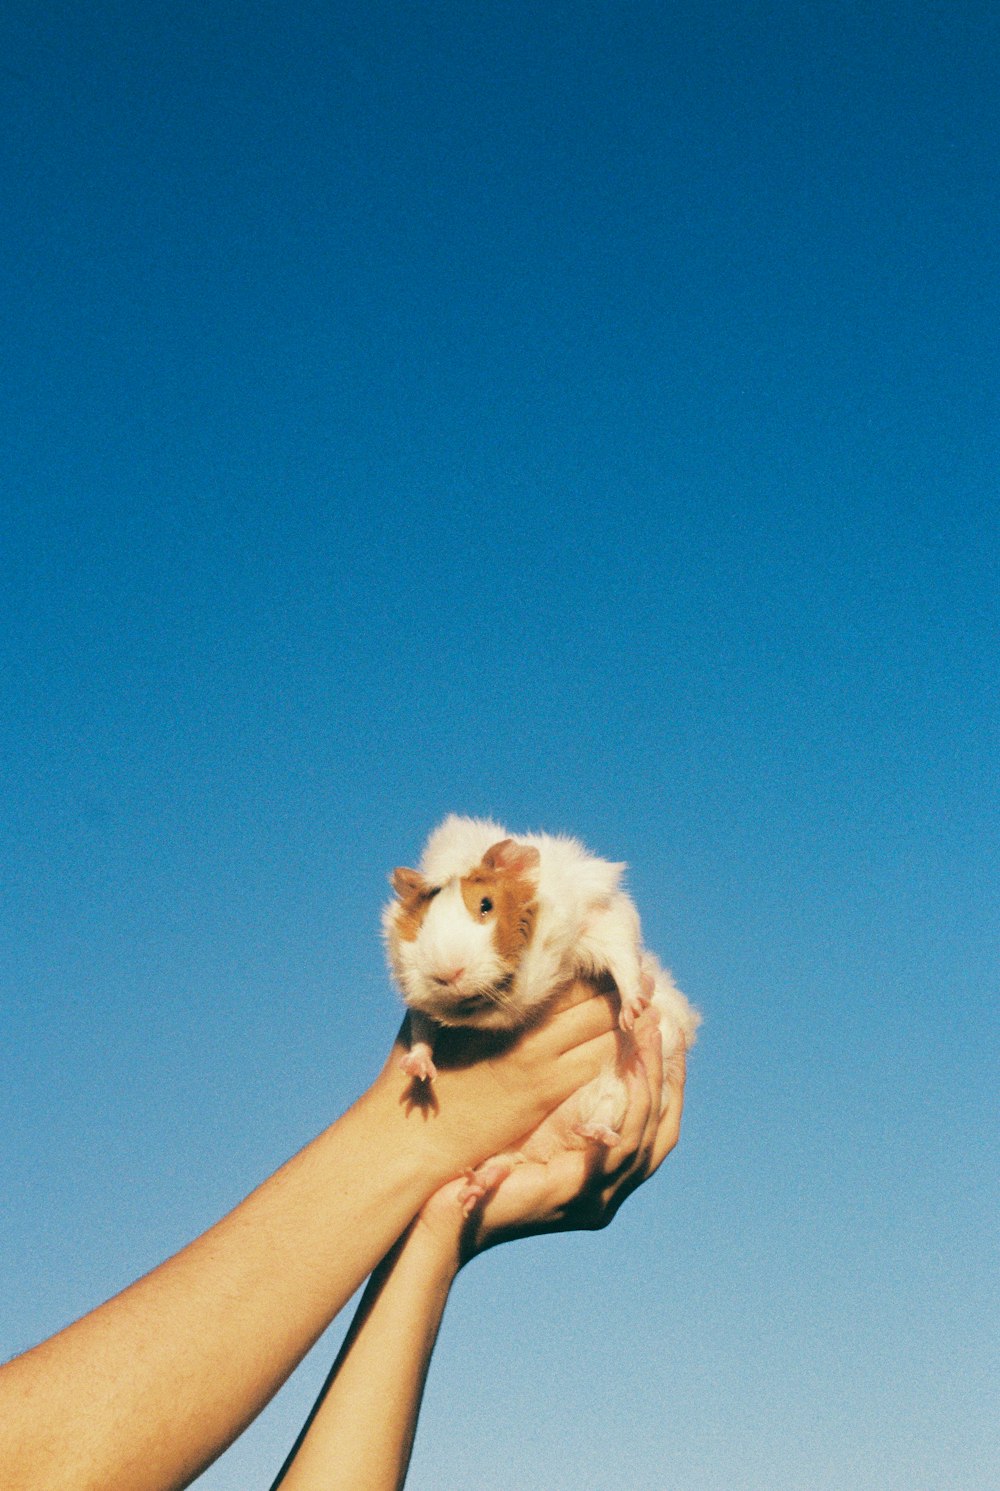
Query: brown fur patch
x=511, y=857
x=481, y=882
x=415, y=895
x=514, y=907
x=516, y=921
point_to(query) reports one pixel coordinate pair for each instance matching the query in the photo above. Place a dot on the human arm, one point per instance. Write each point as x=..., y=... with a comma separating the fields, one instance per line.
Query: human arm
x=145, y=1391
x=361, y=1429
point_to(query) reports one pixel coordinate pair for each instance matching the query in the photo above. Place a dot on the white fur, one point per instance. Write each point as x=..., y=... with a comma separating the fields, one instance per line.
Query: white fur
x=602, y=1102
x=585, y=926
x=457, y=845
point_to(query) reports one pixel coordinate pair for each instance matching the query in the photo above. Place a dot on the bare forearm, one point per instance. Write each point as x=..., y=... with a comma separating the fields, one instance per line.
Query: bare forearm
x=360, y=1434
x=149, y=1388
x=361, y=1429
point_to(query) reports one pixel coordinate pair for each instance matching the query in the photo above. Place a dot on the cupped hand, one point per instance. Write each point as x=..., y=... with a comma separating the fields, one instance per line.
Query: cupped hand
x=576, y=1187
x=491, y=1090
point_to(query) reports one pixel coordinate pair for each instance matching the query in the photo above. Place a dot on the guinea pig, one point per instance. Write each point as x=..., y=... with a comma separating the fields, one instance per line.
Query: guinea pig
x=490, y=926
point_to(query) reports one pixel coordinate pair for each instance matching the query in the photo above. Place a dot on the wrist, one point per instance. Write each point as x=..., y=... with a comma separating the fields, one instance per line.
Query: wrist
x=443, y=1228
x=435, y=1245
x=415, y=1135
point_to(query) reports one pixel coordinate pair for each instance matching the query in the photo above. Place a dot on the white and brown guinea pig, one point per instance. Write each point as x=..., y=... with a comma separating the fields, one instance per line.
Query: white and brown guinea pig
x=490, y=927
x=595, y=1113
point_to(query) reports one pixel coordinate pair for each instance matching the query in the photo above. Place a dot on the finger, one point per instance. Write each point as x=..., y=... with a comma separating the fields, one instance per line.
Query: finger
x=640, y=1105
x=534, y=1198
x=523, y=1199
x=580, y=1190
x=650, y=1043
x=669, y=1128
x=568, y=1172
x=592, y=1016
x=581, y=1063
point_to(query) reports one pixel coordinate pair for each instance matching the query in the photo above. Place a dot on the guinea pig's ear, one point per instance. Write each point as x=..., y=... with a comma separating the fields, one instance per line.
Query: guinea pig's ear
x=408, y=883
x=511, y=858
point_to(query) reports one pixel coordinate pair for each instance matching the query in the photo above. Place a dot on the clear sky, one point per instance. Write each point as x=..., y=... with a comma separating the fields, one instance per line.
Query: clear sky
x=585, y=414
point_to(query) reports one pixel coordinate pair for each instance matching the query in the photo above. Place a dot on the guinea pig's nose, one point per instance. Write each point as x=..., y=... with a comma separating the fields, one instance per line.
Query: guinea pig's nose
x=450, y=978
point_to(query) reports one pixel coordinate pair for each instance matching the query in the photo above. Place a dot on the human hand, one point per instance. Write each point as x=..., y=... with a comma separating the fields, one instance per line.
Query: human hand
x=580, y=1186
x=493, y=1088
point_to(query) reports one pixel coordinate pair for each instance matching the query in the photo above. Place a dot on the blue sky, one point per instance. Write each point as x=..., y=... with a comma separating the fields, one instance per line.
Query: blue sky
x=583, y=414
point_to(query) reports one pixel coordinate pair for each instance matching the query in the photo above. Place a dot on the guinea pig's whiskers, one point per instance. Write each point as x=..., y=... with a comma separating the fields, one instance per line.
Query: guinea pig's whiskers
x=500, y=993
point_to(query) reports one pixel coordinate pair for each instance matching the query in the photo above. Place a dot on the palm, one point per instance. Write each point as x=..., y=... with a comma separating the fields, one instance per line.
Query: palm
x=564, y=1183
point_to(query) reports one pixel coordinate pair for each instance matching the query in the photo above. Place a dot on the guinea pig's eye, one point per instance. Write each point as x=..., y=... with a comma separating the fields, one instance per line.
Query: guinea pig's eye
x=485, y=906
x=435, y=890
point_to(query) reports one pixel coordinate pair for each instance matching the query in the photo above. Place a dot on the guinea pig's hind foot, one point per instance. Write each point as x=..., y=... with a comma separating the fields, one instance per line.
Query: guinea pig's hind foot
x=600, y=1133
x=480, y=1183
x=418, y=1063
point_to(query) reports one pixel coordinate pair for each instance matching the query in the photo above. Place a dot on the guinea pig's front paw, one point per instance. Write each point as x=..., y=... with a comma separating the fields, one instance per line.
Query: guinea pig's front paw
x=418, y=1063
x=634, y=1002
x=630, y=1011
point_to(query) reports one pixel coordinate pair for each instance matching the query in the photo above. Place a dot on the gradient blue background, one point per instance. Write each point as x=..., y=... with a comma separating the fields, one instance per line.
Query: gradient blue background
x=585, y=414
